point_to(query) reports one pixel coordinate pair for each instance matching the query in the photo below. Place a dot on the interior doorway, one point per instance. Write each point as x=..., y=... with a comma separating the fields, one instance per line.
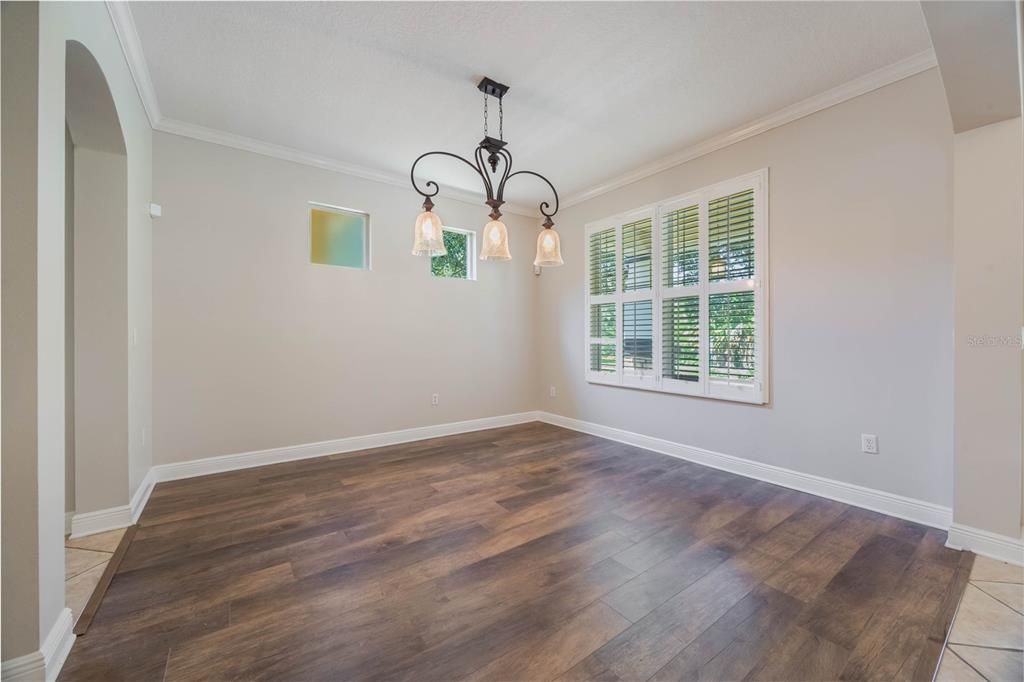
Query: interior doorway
x=96, y=318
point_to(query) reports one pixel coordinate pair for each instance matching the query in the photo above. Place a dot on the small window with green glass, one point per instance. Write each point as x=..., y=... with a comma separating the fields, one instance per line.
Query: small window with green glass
x=458, y=263
x=339, y=236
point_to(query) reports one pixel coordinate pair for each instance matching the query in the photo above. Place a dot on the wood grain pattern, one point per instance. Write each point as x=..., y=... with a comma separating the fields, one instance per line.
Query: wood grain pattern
x=523, y=553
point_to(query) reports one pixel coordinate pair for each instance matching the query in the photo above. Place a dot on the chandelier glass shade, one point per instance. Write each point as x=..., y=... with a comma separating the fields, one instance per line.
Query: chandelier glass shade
x=495, y=242
x=492, y=162
x=429, y=235
x=549, y=248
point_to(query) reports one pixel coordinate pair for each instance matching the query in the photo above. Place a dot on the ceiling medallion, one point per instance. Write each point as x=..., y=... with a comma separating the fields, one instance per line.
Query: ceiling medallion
x=491, y=152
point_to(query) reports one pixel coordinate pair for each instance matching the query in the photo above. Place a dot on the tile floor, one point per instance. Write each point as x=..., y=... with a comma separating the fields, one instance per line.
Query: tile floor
x=987, y=639
x=84, y=562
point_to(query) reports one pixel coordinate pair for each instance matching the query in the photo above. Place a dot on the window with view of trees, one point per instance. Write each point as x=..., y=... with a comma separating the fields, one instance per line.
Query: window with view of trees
x=675, y=297
x=458, y=263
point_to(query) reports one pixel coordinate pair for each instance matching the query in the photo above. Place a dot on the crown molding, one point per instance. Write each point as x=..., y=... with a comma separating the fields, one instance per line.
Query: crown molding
x=248, y=144
x=911, y=66
x=128, y=36
x=124, y=25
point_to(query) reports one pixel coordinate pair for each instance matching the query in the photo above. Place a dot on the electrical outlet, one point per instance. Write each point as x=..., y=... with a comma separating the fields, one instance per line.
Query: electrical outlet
x=435, y=398
x=869, y=443
x=551, y=391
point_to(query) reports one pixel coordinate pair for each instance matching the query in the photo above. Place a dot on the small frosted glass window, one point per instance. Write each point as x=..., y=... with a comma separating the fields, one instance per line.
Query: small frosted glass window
x=339, y=237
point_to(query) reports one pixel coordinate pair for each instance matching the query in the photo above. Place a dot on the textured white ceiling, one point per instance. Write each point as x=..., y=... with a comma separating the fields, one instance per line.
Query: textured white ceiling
x=597, y=89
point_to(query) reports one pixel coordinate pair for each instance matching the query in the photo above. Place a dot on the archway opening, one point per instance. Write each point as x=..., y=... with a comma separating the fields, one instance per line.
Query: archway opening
x=96, y=319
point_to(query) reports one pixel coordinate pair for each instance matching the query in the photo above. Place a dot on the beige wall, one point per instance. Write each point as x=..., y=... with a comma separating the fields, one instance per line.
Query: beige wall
x=256, y=348
x=861, y=298
x=989, y=279
x=100, y=331
x=19, y=23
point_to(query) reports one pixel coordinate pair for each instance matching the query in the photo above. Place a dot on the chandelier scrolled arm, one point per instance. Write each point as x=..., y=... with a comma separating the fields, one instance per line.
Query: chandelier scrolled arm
x=544, y=206
x=431, y=183
x=488, y=185
x=506, y=156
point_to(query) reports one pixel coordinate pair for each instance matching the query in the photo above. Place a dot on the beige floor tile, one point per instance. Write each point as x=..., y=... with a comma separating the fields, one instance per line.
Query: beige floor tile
x=104, y=542
x=952, y=669
x=78, y=561
x=1010, y=594
x=997, y=665
x=999, y=571
x=984, y=621
x=78, y=590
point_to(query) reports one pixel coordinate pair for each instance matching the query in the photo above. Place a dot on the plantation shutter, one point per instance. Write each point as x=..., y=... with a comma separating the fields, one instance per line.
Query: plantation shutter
x=638, y=336
x=681, y=338
x=637, y=248
x=731, y=237
x=602, y=262
x=675, y=298
x=731, y=337
x=733, y=350
x=603, y=331
x=680, y=241
x=637, y=308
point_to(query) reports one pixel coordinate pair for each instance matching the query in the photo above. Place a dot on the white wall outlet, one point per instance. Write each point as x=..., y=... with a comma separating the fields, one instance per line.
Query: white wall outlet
x=435, y=398
x=552, y=392
x=869, y=443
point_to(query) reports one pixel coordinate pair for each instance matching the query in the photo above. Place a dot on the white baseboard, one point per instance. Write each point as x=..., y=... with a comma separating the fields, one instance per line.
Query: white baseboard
x=141, y=496
x=89, y=523
x=907, y=508
x=256, y=458
x=993, y=545
x=27, y=668
x=45, y=664
x=926, y=513
x=58, y=643
x=114, y=518
x=102, y=520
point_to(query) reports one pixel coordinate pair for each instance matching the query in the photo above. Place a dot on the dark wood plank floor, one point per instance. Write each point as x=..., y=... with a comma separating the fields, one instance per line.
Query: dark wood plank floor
x=524, y=553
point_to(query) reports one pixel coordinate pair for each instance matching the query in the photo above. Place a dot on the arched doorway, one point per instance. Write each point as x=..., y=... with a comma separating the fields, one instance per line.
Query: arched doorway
x=96, y=316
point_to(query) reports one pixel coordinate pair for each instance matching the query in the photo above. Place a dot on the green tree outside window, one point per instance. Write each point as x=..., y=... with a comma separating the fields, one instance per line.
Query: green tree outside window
x=454, y=264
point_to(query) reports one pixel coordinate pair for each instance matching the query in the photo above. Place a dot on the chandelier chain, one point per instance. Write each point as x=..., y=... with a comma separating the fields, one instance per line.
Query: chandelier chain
x=501, y=116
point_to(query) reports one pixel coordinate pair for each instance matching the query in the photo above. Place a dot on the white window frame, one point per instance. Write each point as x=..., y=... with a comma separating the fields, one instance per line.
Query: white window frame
x=753, y=392
x=331, y=208
x=470, y=252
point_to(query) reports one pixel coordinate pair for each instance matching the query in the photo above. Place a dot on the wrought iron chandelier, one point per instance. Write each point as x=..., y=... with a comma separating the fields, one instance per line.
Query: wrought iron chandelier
x=491, y=152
